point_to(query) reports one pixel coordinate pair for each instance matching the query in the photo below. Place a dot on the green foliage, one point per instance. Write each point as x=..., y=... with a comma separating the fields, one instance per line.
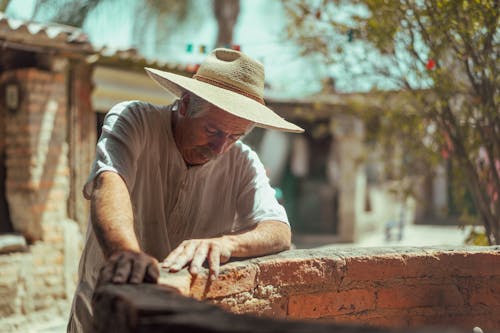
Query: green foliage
x=476, y=237
x=444, y=53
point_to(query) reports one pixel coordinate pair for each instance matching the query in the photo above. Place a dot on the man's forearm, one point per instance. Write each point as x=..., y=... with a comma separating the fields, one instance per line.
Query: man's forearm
x=265, y=238
x=112, y=216
x=113, y=223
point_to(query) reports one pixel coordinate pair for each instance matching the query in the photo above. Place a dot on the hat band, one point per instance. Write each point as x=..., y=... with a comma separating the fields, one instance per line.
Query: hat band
x=228, y=87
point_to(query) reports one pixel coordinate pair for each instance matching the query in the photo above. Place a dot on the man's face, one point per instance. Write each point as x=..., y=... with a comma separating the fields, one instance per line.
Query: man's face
x=208, y=135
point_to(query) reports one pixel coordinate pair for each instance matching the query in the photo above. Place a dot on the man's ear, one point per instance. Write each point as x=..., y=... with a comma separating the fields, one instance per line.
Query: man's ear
x=184, y=104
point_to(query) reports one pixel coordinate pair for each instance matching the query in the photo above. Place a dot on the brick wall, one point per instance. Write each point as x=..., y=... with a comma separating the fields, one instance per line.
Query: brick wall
x=38, y=285
x=152, y=308
x=36, y=149
x=389, y=287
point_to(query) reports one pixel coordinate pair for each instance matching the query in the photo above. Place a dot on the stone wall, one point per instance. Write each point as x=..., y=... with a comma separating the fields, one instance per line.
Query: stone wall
x=387, y=287
x=38, y=284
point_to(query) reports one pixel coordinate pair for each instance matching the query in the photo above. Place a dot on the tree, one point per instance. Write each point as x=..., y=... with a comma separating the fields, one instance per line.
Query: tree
x=226, y=12
x=445, y=53
x=3, y=5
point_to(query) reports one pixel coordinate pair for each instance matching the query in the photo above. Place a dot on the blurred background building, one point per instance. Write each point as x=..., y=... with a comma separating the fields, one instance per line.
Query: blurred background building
x=56, y=86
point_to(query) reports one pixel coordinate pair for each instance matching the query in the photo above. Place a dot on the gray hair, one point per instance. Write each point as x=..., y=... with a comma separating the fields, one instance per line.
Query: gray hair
x=196, y=106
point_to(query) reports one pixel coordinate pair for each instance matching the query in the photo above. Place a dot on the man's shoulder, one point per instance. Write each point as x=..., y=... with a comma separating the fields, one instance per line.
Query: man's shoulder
x=139, y=112
x=145, y=118
x=135, y=105
x=244, y=162
x=243, y=152
x=240, y=147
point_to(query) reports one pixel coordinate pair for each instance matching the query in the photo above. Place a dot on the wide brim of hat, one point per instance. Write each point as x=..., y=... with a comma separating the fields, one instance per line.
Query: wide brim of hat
x=229, y=101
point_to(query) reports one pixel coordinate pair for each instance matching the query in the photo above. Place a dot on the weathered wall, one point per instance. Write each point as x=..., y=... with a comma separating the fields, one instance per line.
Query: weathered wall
x=150, y=308
x=82, y=139
x=389, y=287
x=38, y=284
x=36, y=151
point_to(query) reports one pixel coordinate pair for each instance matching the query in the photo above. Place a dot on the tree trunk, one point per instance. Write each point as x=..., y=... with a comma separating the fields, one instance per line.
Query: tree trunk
x=482, y=199
x=226, y=12
x=3, y=5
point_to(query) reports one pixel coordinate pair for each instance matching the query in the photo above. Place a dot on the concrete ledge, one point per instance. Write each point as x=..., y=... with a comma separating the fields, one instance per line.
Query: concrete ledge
x=396, y=287
x=10, y=243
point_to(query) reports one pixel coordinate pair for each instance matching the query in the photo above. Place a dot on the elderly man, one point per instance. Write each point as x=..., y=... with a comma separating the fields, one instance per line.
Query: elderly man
x=174, y=184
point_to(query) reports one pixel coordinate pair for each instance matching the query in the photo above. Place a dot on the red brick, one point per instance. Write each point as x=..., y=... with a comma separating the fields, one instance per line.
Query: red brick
x=394, y=266
x=275, y=308
x=180, y=281
x=488, y=293
x=406, y=297
x=329, y=304
x=467, y=319
x=231, y=280
x=470, y=263
x=290, y=272
x=387, y=318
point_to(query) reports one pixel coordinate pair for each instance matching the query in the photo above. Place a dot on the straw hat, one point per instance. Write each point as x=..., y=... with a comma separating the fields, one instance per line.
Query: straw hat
x=231, y=81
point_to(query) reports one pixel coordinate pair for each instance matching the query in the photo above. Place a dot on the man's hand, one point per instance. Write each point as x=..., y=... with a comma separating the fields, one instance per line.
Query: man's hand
x=129, y=267
x=262, y=238
x=195, y=252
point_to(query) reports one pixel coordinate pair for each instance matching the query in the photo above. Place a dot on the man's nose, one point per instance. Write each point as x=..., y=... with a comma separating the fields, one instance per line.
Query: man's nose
x=218, y=145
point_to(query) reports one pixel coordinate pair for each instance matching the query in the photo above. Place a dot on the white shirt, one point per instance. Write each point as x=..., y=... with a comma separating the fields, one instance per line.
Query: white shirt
x=172, y=202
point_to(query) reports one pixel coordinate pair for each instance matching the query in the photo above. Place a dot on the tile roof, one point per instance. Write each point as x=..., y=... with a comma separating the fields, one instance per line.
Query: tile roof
x=47, y=37
x=19, y=33
x=131, y=58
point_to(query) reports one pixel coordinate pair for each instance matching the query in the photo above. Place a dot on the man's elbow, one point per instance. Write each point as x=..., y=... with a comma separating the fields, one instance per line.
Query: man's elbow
x=287, y=241
x=285, y=237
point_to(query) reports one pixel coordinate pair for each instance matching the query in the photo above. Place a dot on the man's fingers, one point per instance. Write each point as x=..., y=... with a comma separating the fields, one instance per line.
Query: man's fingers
x=196, y=251
x=172, y=257
x=108, y=270
x=123, y=269
x=225, y=255
x=185, y=257
x=138, y=271
x=106, y=274
x=214, y=261
x=129, y=267
x=152, y=273
x=199, y=258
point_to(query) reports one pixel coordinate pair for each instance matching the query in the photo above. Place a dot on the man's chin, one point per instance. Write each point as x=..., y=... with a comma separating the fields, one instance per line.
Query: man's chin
x=201, y=157
x=198, y=161
x=195, y=163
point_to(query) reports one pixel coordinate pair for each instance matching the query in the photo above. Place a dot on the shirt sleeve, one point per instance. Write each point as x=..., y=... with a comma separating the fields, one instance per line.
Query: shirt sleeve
x=119, y=146
x=256, y=200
